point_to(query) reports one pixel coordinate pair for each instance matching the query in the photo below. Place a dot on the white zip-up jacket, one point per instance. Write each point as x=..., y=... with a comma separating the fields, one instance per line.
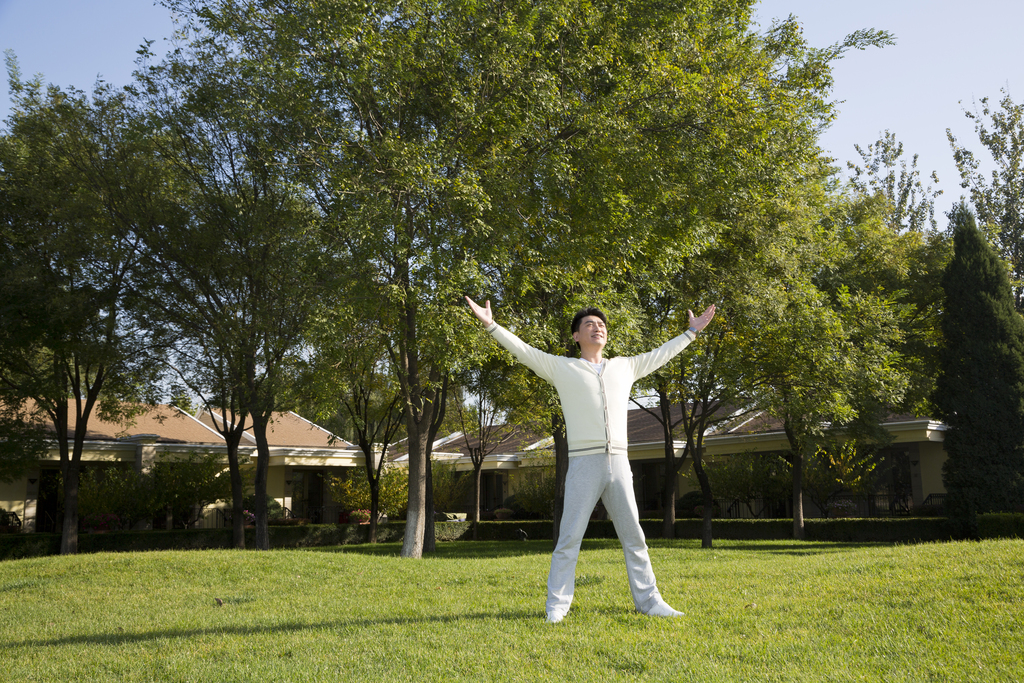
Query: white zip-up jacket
x=594, y=405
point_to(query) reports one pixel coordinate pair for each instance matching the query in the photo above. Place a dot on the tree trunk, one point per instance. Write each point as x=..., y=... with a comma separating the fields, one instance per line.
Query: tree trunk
x=438, y=400
x=668, y=521
x=374, y=508
x=668, y=493
x=412, y=542
x=69, y=530
x=429, y=520
x=706, y=540
x=478, y=471
x=561, y=467
x=798, y=495
x=796, y=447
x=237, y=494
x=259, y=431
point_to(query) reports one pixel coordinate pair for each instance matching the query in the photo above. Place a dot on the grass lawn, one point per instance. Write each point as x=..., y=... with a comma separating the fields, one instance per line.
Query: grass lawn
x=767, y=611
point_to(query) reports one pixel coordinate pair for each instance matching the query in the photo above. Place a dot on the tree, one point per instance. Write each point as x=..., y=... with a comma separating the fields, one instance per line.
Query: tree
x=980, y=389
x=999, y=200
x=747, y=477
x=838, y=468
x=825, y=363
x=353, y=491
x=349, y=383
x=444, y=142
x=912, y=203
x=450, y=486
x=179, y=490
x=183, y=488
x=481, y=423
x=235, y=271
x=23, y=439
x=70, y=170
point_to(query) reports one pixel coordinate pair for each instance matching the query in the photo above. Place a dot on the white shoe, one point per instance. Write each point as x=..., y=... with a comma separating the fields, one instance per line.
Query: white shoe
x=555, y=617
x=663, y=610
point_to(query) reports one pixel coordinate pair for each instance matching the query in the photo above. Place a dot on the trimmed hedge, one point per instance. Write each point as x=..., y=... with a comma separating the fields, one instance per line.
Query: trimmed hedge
x=1001, y=525
x=871, y=530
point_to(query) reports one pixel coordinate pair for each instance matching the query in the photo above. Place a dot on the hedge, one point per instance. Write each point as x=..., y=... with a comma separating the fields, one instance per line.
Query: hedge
x=872, y=530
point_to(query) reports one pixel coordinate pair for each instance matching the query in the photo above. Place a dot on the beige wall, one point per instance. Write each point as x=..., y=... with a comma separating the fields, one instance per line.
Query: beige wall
x=932, y=456
x=12, y=496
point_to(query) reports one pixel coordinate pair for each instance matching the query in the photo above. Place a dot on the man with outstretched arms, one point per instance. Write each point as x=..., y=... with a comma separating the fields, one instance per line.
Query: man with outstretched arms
x=594, y=393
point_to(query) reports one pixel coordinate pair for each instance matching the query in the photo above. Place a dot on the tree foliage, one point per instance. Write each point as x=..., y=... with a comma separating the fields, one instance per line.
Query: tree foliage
x=748, y=477
x=980, y=389
x=998, y=199
x=353, y=491
x=887, y=175
x=839, y=468
x=71, y=171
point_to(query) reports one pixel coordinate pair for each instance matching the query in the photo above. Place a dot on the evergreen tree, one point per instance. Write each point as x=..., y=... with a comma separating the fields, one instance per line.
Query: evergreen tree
x=980, y=389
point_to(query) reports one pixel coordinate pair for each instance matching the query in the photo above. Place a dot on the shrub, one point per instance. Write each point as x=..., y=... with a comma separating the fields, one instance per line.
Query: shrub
x=686, y=505
x=352, y=490
x=101, y=521
x=359, y=516
x=535, y=491
x=274, y=509
x=1001, y=525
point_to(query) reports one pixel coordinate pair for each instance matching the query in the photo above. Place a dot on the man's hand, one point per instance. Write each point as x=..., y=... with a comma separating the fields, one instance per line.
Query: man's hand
x=700, y=322
x=484, y=314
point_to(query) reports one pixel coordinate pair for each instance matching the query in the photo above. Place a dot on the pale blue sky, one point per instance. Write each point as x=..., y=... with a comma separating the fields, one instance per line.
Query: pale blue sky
x=949, y=53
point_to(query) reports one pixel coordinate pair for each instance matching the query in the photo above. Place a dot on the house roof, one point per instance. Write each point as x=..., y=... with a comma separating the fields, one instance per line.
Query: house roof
x=168, y=423
x=501, y=439
x=287, y=429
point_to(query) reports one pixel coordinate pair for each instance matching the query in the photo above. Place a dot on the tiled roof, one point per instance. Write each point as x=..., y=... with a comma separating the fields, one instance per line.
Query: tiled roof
x=289, y=429
x=170, y=424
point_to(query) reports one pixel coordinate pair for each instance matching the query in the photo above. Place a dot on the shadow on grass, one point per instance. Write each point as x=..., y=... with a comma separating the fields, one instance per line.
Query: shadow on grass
x=122, y=638
x=495, y=549
x=794, y=548
x=448, y=549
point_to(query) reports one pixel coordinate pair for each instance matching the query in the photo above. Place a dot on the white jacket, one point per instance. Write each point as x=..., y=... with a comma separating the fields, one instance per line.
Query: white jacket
x=594, y=405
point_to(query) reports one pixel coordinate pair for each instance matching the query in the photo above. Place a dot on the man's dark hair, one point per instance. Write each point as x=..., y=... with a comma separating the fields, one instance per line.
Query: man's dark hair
x=576, y=319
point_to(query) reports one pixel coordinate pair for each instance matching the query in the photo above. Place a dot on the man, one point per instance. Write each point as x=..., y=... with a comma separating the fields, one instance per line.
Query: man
x=594, y=393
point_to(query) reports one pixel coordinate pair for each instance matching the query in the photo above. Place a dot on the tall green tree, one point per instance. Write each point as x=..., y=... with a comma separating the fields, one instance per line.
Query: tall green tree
x=447, y=142
x=71, y=170
x=886, y=173
x=998, y=199
x=827, y=354
x=236, y=270
x=980, y=389
x=347, y=382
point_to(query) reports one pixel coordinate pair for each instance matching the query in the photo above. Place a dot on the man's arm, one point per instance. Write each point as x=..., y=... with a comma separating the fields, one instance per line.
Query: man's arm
x=542, y=363
x=646, y=363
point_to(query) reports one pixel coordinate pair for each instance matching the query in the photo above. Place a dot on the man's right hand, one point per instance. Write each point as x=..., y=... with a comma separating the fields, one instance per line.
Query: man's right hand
x=483, y=313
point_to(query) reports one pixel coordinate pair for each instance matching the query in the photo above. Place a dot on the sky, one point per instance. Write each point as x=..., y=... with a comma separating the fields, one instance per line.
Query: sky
x=949, y=54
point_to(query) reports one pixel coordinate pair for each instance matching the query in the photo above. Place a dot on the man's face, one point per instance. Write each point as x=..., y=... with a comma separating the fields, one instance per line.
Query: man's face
x=592, y=331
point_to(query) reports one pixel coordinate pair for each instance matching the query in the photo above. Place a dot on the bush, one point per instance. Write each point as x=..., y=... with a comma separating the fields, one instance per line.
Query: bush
x=535, y=492
x=359, y=516
x=685, y=506
x=274, y=509
x=1001, y=525
x=352, y=490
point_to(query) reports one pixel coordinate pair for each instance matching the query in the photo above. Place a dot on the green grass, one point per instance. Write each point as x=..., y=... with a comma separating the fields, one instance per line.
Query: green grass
x=755, y=611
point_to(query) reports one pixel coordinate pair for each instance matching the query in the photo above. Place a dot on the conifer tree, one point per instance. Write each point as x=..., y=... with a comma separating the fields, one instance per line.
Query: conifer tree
x=980, y=389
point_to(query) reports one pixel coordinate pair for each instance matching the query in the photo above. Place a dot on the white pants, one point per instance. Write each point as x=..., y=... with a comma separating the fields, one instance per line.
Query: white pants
x=608, y=478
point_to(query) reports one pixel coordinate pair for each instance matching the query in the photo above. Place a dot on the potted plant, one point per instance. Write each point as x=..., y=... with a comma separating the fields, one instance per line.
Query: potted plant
x=101, y=522
x=503, y=514
x=359, y=517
